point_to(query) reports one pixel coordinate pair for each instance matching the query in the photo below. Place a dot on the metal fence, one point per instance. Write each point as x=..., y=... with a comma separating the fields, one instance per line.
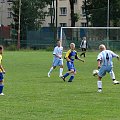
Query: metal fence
x=45, y=39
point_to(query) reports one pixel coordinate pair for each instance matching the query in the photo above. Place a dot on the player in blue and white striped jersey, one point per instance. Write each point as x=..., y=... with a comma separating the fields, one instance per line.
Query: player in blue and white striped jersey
x=105, y=64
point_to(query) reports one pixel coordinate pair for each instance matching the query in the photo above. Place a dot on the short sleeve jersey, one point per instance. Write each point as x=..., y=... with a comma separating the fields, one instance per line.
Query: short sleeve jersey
x=58, y=51
x=106, y=57
x=71, y=54
x=0, y=62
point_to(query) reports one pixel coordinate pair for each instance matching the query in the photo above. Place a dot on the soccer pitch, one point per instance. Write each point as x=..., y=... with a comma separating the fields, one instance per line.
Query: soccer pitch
x=31, y=95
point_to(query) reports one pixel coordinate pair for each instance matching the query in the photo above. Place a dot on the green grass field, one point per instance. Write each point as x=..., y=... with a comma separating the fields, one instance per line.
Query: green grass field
x=31, y=95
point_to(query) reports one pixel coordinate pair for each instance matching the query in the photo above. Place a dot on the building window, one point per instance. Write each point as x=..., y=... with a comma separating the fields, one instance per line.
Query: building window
x=63, y=11
x=9, y=0
x=51, y=24
x=51, y=11
x=9, y=12
x=83, y=11
x=63, y=24
x=2, y=1
x=83, y=24
x=75, y=1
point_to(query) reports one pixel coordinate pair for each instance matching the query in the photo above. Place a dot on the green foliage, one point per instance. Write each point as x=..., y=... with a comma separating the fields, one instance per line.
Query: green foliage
x=32, y=14
x=31, y=95
x=72, y=12
x=115, y=12
x=76, y=17
x=49, y=48
x=12, y=47
x=96, y=10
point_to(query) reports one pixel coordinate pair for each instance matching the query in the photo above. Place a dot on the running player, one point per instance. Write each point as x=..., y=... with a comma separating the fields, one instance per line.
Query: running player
x=105, y=64
x=57, y=60
x=71, y=55
x=2, y=71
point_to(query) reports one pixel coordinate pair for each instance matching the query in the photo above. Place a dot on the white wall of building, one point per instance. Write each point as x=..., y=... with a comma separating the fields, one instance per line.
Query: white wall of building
x=66, y=19
x=5, y=12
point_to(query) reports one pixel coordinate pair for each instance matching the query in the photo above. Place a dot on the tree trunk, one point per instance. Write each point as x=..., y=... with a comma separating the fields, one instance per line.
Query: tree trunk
x=72, y=13
x=86, y=13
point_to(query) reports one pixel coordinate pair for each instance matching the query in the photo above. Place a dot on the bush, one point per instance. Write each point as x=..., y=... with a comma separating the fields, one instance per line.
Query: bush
x=49, y=48
x=12, y=47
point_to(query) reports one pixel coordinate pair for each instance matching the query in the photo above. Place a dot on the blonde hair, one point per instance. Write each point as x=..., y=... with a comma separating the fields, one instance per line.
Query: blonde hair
x=72, y=44
x=102, y=47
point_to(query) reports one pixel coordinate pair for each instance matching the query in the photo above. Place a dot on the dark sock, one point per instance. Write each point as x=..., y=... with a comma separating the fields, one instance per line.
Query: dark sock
x=71, y=78
x=84, y=54
x=81, y=54
x=65, y=75
x=1, y=88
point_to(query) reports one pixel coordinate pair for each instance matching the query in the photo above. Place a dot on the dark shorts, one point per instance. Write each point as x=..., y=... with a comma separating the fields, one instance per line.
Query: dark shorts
x=1, y=77
x=70, y=66
x=83, y=49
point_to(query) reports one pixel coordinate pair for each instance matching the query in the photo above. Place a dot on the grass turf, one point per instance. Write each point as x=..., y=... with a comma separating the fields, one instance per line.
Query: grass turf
x=31, y=95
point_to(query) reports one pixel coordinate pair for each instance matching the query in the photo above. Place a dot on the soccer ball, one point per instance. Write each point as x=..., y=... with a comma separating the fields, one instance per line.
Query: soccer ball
x=95, y=72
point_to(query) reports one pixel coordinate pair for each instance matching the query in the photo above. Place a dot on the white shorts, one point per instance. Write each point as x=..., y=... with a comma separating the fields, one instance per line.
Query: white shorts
x=103, y=70
x=57, y=62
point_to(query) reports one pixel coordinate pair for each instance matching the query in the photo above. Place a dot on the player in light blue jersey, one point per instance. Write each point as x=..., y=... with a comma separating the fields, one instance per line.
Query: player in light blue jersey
x=57, y=60
x=105, y=64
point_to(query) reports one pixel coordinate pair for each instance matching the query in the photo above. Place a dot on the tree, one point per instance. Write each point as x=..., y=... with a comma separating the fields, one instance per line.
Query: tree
x=72, y=12
x=97, y=10
x=32, y=14
x=115, y=12
x=86, y=11
x=74, y=16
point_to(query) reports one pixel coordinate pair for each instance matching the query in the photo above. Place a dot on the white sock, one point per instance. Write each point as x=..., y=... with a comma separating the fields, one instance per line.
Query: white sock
x=50, y=70
x=61, y=71
x=99, y=84
x=112, y=75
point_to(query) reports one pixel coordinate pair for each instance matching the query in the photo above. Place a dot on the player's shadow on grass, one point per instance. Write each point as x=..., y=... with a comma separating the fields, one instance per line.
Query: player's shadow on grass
x=83, y=92
x=53, y=80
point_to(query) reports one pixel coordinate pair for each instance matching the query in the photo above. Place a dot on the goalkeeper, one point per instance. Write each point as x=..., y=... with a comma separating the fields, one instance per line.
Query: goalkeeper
x=83, y=46
x=70, y=56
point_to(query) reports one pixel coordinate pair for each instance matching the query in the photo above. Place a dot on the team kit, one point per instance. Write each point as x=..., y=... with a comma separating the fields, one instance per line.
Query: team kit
x=104, y=63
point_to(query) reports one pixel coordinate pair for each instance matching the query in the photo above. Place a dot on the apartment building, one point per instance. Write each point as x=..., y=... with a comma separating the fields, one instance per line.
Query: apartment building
x=63, y=13
x=5, y=12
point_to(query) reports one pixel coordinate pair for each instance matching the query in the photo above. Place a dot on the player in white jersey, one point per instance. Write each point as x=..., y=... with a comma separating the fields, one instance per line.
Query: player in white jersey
x=105, y=64
x=57, y=60
x=83, y=46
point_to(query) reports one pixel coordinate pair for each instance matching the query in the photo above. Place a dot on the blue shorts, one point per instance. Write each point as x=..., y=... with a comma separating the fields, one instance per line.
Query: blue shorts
x=57, y=62
x=1, y=76
x=70, y=66
x=103, y=70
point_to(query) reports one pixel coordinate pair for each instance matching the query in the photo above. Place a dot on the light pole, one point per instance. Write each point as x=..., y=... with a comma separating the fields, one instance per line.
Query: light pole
x=18, y=42
x=56, y=19
x=108, y=14
x=108, y=22
x=86, y=12
x=0, y=16
x=1, y=20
